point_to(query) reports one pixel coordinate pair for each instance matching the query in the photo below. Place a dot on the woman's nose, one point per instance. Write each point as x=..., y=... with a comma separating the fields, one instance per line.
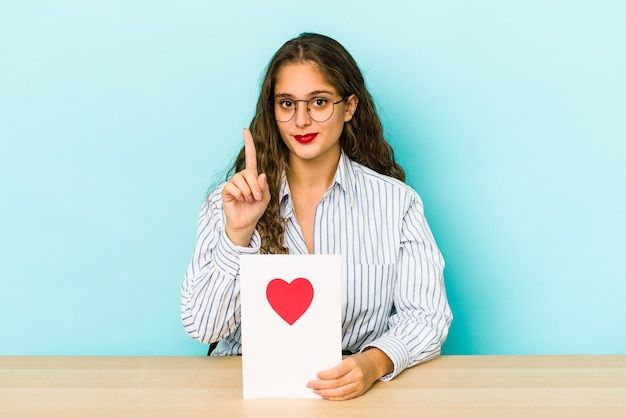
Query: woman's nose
x=302, y=117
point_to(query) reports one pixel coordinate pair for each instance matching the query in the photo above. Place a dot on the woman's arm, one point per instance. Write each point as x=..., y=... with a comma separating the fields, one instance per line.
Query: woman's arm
x=210, y=307
x=419, y=326
x=226, y=229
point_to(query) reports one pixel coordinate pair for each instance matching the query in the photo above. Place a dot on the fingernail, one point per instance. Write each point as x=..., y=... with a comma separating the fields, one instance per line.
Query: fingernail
x=258, y=195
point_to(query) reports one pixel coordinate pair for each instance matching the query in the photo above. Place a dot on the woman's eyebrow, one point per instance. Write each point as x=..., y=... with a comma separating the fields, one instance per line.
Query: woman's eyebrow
x=316, y=92
x=313, y=93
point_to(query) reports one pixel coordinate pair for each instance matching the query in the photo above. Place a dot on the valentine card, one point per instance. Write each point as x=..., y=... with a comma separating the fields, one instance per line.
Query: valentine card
x=290, y=322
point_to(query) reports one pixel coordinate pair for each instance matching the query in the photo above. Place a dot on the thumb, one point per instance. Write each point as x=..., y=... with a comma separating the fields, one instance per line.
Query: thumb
x=264, y=185
x=263, y=182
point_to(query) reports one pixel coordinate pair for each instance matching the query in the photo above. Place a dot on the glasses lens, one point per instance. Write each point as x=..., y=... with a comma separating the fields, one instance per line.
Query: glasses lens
x=320, y=109
x=284, y=109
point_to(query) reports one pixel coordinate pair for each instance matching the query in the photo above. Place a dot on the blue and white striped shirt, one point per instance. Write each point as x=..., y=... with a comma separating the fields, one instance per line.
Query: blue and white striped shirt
x=395, y=297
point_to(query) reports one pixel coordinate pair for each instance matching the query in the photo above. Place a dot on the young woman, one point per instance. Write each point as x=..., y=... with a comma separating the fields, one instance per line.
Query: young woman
x=316, y=175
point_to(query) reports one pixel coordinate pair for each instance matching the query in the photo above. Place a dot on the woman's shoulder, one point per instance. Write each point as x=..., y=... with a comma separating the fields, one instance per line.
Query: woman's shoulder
x=214, y=198
x=366, y=176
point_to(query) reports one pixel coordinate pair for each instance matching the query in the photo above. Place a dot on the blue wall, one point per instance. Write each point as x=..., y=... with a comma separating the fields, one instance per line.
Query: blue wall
x=116, y=116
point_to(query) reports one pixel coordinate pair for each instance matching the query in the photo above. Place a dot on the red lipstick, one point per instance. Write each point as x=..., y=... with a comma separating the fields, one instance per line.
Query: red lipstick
x=306, y=138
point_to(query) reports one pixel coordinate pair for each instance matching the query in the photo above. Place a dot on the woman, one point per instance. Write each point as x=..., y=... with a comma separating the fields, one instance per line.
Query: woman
x=316, y=175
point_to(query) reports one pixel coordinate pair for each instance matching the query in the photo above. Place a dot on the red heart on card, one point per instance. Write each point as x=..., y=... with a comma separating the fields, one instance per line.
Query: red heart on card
x=290, y=300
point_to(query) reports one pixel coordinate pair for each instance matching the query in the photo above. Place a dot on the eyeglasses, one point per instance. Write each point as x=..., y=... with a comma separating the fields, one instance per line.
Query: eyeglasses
x=319, y=109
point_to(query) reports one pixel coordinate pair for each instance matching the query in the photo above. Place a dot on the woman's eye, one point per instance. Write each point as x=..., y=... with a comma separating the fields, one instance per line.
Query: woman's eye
x=287, y=104
x=319, y=102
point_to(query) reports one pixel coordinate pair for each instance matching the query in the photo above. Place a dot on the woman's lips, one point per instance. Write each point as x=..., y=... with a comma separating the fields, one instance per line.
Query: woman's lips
x=305, y=139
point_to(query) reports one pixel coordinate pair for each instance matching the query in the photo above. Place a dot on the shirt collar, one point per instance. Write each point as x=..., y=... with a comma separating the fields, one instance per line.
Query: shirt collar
x=344, y=177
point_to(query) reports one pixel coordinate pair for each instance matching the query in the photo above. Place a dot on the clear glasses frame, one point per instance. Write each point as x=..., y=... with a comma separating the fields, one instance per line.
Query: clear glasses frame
x=310, y=103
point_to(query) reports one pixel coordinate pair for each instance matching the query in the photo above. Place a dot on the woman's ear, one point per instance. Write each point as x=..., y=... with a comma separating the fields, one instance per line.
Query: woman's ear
x=351, y=104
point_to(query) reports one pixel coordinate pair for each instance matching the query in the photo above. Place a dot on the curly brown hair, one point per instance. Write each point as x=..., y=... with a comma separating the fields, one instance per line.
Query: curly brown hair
x=362, y=138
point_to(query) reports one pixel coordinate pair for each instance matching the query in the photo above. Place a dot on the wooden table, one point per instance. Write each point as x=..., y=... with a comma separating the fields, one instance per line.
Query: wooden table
x=450, y=386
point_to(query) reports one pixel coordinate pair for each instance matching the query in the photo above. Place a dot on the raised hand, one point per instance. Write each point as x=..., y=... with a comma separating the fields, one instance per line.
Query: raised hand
x=245, y=197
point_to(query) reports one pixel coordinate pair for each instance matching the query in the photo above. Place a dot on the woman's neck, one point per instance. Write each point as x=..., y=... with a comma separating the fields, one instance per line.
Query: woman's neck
x=317, y=174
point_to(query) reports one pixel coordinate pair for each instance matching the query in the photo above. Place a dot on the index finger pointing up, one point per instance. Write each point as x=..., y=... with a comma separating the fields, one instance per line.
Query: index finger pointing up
x=250, y=150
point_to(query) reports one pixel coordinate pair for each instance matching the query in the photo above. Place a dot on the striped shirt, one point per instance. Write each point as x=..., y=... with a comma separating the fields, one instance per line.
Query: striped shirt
x=395, y=297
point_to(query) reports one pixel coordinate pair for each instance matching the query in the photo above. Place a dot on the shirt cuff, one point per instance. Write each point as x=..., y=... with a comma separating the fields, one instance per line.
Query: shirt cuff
x=395, y=350
x=227, y=254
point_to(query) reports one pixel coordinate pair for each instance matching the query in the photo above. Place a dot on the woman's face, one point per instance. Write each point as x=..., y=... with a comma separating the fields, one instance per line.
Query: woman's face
x=307, y=135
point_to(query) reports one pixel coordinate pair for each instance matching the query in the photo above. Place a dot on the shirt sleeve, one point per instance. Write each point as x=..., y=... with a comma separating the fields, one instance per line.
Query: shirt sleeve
x=419, y=326
x=210, y=301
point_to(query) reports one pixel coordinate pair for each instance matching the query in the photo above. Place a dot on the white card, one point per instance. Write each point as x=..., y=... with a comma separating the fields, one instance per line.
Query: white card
x=290, y=322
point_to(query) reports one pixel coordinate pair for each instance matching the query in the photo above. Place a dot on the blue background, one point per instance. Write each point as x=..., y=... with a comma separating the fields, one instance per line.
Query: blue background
x=117, y=117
